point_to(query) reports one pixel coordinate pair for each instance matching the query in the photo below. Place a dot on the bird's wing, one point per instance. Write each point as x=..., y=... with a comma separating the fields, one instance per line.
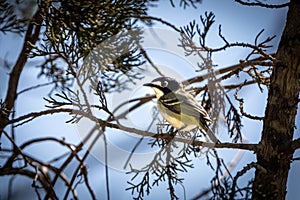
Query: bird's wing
x=171, y=102
x=186, y=104
x=193, y=108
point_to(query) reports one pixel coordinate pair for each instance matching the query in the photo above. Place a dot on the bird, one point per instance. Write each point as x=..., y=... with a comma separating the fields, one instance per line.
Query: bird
x=179, y=107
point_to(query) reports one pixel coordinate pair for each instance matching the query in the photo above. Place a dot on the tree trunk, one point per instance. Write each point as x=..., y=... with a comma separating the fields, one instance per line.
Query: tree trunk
x=279, y=123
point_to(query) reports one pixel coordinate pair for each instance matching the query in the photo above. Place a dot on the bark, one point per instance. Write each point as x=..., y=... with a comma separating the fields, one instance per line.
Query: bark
x=279, y=124
x=31, y=36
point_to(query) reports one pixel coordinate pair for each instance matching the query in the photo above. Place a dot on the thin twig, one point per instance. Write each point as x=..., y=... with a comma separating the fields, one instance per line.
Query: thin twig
x=144, y=53
x=106, y=167
x=149, y=18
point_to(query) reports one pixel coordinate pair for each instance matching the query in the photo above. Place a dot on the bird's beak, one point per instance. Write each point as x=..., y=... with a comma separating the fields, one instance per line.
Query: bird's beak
x=149, y=85
x=153, y=84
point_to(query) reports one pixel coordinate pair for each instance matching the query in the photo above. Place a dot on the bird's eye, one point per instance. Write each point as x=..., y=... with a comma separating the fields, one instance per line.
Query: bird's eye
x=164, y=84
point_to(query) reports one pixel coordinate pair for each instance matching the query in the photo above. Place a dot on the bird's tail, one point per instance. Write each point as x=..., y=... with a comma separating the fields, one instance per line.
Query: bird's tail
x=211, y=135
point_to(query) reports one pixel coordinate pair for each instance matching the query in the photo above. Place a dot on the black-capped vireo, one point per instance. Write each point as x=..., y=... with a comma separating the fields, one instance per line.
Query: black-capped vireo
x=179, y=107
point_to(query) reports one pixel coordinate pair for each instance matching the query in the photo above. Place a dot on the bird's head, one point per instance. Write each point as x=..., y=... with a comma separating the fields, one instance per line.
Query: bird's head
x=164, y=85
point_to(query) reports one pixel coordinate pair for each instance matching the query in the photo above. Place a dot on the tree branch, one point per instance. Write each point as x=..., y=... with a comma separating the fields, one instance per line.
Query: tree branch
x=32, y=175
x=102, y=123
x=258, y=3
x=234, y=69
x=296, y=144
x=31, y=37
x=149, y=18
